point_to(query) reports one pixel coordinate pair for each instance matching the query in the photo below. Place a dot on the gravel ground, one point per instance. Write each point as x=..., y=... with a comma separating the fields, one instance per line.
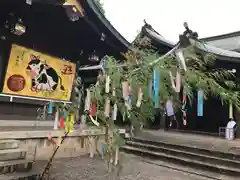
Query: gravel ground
x=84, y=168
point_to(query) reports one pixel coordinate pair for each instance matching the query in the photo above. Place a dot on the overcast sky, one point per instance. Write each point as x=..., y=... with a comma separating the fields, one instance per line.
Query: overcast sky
x=207, y=17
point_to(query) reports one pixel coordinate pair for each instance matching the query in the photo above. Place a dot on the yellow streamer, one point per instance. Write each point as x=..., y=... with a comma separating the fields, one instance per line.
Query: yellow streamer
x=230, y=111
x=71, y=123
x=59, y=140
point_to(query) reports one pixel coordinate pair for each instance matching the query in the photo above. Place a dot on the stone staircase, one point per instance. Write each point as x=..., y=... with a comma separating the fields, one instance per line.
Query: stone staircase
x=203, y=162
x=13, y=162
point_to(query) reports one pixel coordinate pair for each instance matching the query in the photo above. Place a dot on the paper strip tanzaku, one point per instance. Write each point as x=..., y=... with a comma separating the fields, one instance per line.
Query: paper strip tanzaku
x=107, y=107
x=94, y=121
x=230, y=111
x=50, y=108
x=156, y=88
x=107, y=87
x=200, y=103
x=140, y=96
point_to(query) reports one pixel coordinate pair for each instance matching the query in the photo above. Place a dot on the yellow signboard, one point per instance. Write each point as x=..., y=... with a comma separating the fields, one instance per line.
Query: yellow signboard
x=31, y=73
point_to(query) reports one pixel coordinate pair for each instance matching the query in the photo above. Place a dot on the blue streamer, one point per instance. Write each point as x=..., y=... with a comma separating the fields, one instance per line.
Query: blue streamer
x=65, y=115
x=50, y=108
x=156, y=88
x=102, y=148
x=200, y=103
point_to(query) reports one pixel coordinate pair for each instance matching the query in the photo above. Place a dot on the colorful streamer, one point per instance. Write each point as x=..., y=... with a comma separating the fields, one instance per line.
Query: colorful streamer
x=156, y=88
x=114, y=113
x=62, y=121
x=230, y=111
x=93, y=110
x=94, y=121
x=55, y=127
x=88, y=101
x=107, y=86
x=125, y=90
x=107, y=107
x=50, y=138
x=184, y=110
x=181, y=58
x=59, y=141
x=176, y=86
x=50, y=108
x=178, y=82
x=71, y=124
x=140, y=97
x=200, y=103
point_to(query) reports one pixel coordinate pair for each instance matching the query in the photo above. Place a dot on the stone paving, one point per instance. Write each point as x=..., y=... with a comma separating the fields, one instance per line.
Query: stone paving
x=84, y=168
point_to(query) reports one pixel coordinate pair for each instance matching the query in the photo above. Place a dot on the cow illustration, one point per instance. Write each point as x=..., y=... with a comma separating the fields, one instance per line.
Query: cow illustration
x=44, y=77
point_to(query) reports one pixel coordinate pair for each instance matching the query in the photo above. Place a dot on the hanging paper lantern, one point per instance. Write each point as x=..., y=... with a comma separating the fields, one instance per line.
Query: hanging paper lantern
x=156, y=88
x=200, y=103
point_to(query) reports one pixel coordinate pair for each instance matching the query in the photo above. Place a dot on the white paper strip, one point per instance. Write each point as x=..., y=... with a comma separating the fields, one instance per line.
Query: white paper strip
x=107, y=87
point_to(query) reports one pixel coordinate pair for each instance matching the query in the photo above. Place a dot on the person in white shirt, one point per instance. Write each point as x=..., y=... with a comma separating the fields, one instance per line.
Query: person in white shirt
x=231, y=129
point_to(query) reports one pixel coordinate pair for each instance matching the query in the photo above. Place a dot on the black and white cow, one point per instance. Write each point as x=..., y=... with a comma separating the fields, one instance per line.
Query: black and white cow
x=44, y=78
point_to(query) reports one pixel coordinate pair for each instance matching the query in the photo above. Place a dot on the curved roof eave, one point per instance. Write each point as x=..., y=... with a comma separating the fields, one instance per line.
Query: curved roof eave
x=108, y=25
x=220, y=53
x=159, y=38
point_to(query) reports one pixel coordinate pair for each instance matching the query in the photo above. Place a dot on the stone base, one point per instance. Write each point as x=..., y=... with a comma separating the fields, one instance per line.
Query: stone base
x=40, y=148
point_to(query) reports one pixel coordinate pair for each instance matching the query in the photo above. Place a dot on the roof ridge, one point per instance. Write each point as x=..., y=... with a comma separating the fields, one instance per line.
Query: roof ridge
x=221, y=36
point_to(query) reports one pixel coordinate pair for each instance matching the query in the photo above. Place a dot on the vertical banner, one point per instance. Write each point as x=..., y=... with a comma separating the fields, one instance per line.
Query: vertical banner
x=156, y=88
x=200, y=103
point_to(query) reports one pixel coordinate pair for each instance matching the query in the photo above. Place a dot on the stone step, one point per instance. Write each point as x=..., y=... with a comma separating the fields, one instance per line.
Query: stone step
x=12, y=154
x=9, y=144
x=189, y=170
x=191, y=155
x=15, y=166
x=34, y=174
x=221, y=169
x=204, y=151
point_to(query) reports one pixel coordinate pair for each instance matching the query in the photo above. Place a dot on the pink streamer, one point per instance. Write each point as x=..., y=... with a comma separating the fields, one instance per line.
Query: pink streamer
x=107, y=108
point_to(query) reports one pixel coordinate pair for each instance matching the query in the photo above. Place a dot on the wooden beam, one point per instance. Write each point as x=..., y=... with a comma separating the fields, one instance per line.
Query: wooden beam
x=76, y=4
